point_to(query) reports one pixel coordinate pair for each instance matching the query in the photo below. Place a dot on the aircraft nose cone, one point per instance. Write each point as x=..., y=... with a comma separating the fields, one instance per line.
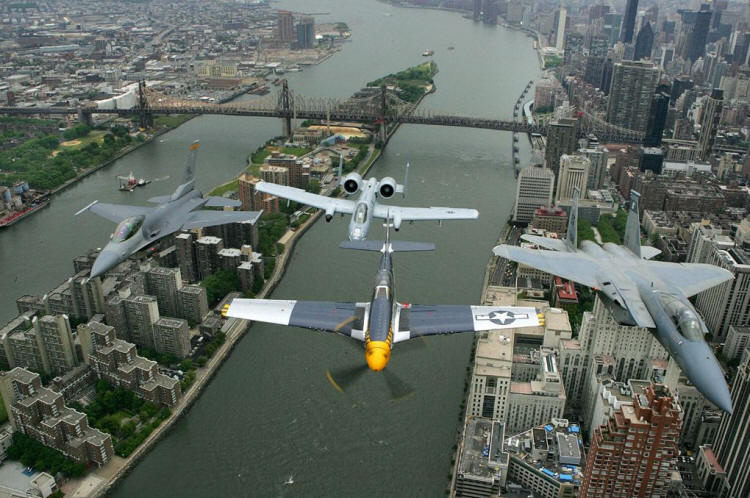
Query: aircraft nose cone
x=707, y=376
x=106, y=260
x=377, y=355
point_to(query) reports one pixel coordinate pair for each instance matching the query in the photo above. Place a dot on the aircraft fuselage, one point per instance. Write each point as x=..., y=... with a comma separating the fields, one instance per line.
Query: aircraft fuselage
x=379, y=334
x=359, y=225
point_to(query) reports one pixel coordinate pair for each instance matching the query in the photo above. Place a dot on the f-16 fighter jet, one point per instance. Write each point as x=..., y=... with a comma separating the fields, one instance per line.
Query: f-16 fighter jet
x=383, y=322
x=639, y=292
x=140, y=226
x=366, y=207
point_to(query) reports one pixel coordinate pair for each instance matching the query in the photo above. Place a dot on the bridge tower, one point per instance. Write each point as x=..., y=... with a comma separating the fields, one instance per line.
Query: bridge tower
x=286, y=106
x=145, y=115
x=382, y=128
x=84, y=116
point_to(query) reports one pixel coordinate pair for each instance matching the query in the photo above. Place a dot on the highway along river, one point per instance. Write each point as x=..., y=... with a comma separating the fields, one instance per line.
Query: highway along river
x=270, y=413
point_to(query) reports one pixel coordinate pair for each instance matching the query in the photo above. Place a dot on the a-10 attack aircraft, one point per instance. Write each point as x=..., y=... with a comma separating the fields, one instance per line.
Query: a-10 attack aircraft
x=639, y=292
x=140, y=226
x=382, y=322
x=366, y=207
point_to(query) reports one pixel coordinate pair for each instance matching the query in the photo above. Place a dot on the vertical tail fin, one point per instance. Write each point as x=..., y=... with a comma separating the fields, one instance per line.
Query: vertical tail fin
x=572, y=236
x=188, y=180
x=633, y=227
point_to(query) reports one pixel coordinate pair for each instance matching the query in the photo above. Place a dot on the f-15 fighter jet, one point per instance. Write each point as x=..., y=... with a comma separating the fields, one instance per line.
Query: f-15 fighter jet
x=639, y=292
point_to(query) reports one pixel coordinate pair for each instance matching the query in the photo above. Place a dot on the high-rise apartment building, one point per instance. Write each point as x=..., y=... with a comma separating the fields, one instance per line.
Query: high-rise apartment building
x=207, y=253
x=533, y=190
x=193, y=303
x=172, y=336
x=163, y=283
x=695, y=25
x=561, y=139
x=574, y=172
x=285, y=26
x=632, y=88
x=710, y=123
x=58, y=348
x=141, y=313
x=186, y=256
x=634, y=453
x=628, y=21
x=41, y=414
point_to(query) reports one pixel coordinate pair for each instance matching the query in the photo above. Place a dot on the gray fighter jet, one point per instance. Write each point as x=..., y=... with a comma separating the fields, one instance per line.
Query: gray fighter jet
x=639, y=292
x=383, y=322
x=366, y=207
x=140, y=226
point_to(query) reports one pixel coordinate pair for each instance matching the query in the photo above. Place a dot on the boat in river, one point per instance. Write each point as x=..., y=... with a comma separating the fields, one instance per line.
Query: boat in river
x=427, y=53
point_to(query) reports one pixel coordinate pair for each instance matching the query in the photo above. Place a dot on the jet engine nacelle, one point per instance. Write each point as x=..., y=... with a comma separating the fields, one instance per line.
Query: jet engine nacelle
x=352, y=183
x=387, y=187
x=329, y=214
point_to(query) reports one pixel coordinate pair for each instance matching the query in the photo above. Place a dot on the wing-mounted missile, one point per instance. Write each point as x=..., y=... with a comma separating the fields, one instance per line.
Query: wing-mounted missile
x=352, y=183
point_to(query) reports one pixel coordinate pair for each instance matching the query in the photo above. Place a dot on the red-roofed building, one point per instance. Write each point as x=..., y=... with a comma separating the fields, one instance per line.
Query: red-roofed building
x=565, y=292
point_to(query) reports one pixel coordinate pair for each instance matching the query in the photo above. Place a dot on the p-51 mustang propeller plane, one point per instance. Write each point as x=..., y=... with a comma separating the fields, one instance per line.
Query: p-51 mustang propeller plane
x=139, y=226
x=382, y=322
x=366, y=207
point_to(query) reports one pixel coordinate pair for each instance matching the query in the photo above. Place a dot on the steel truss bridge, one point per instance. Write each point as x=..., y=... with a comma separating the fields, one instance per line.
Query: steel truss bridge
x=376, y=106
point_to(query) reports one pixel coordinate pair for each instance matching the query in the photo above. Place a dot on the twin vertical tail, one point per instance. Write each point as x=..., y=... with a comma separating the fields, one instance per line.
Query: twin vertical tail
x=633, y=227
x=388, y=245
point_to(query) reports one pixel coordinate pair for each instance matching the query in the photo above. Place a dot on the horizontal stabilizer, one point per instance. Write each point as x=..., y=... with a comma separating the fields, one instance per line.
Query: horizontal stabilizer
x=648, y=252
x=160, y=199
x=547, y=242
x=222, y=202
x=395, y=246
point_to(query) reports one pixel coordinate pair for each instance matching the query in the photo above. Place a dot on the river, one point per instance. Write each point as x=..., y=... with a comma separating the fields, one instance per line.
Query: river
x=270, y=412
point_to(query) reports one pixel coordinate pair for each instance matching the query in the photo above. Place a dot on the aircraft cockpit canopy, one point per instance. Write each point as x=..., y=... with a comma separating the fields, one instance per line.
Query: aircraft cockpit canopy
x=127, y=228
x=684, y=317
x=360, y=213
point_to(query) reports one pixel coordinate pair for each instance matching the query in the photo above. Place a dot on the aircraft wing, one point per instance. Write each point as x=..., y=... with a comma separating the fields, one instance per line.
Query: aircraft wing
x=116, y=212
x=329, y=204
x=547, y=242
x=419, y=320
x=690, y=278
x=319, y=315
x=570, y=266
x=421, y=214
x=204, y=218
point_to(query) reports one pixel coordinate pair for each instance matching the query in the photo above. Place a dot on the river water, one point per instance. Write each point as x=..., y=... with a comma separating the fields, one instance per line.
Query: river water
x=270, y=412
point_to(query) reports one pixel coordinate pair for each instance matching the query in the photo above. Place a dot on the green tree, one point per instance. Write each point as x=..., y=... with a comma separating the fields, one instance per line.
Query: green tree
x=220, y=284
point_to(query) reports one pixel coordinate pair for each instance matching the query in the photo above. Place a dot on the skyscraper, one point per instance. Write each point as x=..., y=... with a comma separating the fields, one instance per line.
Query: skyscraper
x=172, y=336
x=573, y=47
x=598, y=48
x=561, y=17
x=633, y=85
x=644, y=43
x=657, y=117
x=534, y=189
x=561, y=139
x=193, y=303
x=141, y=312
x=207, y=254
x=695, y=25
x=57, y=339
x=306, y=32
x=477, y=10
x=574, y=172
x=710, y=122
x=186, y=256
x=731, y=448
x=628, y=21
x=164, y=284
x=285, y=26
x=632, y=454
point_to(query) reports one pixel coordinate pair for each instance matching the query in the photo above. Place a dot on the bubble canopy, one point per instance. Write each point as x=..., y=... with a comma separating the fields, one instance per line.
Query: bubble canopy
x=127, y=228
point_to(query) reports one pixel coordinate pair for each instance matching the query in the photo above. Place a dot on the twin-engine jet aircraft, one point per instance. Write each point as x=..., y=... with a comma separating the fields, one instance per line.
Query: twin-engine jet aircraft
x=383, y=321
x=639, y=292
x=366, y=207
x=140, y=226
